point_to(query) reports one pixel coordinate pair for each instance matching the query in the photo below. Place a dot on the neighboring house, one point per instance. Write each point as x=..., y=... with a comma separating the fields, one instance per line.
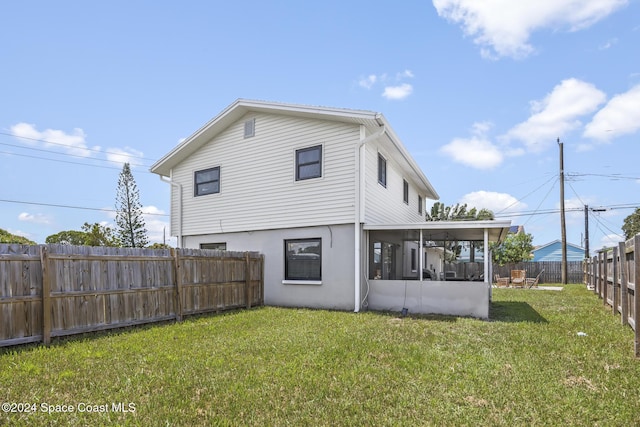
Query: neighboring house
x=516, y=229
x=306, y=186
x=553, y=252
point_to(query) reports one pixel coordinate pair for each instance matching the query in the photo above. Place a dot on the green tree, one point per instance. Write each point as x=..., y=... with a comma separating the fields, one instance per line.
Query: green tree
x=631, y=225
x=514, y=248
x=6, y=237
x=99, y=235
x=130, y=226
x=69, y=237
x=159, y=246
x=91, y=235
x=457, y=212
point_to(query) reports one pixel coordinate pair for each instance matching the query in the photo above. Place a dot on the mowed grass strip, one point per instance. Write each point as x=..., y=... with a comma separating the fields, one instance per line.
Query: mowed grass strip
x=527, y=365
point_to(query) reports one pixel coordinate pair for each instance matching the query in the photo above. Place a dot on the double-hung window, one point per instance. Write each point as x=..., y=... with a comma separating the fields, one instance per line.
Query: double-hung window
x=303, y=259
x=405, y=191
x=382, y=170
x=207, y=181
x=309, y=163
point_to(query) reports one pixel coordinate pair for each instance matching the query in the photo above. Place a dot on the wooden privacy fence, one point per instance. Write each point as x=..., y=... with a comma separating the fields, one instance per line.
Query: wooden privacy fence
x=614, y=275
x=55, y=290
x=552, y=270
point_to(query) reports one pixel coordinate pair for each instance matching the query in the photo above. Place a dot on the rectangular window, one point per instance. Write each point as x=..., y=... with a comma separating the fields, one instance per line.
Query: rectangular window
x=207, y=181
x=382, y=170
x=383, y=265
x=405, y=191
x=414, y=259
x=303, y=259
x=309, y=163
x=250, y=128
x=420, y=205
x=216, y=246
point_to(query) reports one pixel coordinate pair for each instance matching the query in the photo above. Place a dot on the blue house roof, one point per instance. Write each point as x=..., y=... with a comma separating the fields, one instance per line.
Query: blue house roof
x=553, y=252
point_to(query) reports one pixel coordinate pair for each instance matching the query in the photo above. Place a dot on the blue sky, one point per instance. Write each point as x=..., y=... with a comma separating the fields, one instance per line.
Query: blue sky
x=478, y=91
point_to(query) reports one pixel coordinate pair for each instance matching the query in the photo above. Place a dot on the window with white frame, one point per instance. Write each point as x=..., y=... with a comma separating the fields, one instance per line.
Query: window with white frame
x=405, y=191
x=303, y=259
x=309, y=163
x=382, y=170
x=207, y=181
x=215, y=246
x=420, y=205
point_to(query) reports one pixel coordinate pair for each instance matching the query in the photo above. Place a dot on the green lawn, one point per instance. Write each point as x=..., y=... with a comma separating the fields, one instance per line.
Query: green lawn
x=274, y=366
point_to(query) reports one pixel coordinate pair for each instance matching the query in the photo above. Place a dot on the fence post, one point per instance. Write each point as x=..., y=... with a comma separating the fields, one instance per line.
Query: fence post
x=614, y=277
x=177, y=277
x=636, y=293
x=594, y=276
x=247, y=280
x=261, y=279
x=46, y=296
x=605, y=278
x=624, y=295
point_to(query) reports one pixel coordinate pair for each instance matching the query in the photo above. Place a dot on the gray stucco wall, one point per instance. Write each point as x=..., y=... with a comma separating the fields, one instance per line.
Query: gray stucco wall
x=431, y=297
x=338, y=279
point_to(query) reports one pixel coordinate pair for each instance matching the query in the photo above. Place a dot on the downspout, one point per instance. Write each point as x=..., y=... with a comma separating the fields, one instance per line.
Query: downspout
x=360, y=203
x=488, y=279
x=179, y=186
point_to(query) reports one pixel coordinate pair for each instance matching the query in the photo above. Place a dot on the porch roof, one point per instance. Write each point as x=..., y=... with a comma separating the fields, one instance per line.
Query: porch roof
x=451, y=230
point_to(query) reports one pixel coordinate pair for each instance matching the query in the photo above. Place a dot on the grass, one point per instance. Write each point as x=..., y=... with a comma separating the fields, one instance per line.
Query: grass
x=277, y=366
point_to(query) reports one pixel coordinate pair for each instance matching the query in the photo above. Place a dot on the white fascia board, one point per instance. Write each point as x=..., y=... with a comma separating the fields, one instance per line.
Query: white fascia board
x=240, y=107
x=432, y=193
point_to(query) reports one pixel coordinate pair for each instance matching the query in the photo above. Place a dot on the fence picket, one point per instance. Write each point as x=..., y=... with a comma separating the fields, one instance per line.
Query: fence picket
x=620, y=289
x=55, y=290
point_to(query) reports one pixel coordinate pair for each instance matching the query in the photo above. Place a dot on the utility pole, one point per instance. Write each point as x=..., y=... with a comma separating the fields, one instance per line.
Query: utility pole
x=563, y=225
x=587, y=253
x=586, y=232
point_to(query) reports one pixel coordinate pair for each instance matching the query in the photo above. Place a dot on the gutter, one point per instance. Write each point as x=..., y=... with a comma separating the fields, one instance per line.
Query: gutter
x=179, y=186
x=359, y=208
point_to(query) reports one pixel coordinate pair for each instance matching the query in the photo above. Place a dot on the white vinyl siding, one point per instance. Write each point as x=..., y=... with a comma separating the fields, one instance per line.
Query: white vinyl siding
x=385, y=205
x=260, y=190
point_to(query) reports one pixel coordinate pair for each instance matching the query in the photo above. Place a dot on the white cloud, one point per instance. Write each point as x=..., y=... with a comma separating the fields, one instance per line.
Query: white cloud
x=557, y=114
x=404, y=74
x=476, y=152
x=34, y=218
x=620, y=116
x=608, y=44
x=503, y=27
x=499, y=203
x=394, y=89
x=368, y=82
x=25, y=234
x=157, y=226
x=123, y=155
x=608, y=241
x=398, y=92
x=74, y=142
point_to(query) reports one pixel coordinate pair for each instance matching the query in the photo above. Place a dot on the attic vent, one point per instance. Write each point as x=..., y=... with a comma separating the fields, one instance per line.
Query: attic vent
x=249, y=128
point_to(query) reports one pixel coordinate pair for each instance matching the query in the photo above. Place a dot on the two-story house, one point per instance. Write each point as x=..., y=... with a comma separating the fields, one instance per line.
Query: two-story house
x=299, y=183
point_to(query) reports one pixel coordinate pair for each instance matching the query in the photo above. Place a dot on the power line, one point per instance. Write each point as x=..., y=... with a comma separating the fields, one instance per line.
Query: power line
x=65, y=161
x=70, y=207
x=556, y=211
x=71, y=146
x=600, y=220
x=66, y=154
x=528, y=194
x=541, y=202
x=613, y=177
